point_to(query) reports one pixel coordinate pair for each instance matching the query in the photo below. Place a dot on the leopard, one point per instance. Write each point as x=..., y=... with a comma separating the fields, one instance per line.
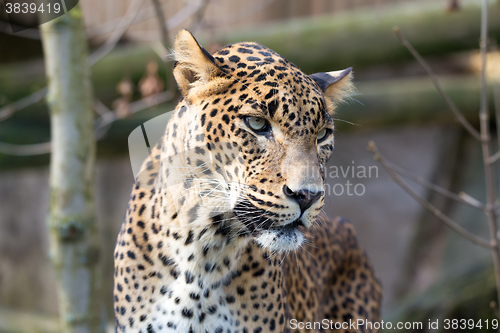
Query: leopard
x=224, y=231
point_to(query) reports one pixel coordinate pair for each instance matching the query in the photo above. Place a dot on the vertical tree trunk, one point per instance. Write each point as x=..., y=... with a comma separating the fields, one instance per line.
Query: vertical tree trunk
x=72, y=222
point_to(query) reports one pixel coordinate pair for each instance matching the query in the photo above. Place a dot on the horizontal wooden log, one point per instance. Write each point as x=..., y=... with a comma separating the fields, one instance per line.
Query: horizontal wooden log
x=379, y=103
x=364, y=37
x=410, y=101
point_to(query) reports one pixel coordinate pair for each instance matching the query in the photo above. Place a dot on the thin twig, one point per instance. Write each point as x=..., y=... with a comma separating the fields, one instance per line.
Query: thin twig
x=145, y=14
x=242, y=13
x=103, y=122
x=252, y=8
x=198, y=16
x=436, y=83
x=496, y=93
x=434, y=187
x=8, y=110
x=100, y=108
x=433, y=209
x=117, y=34
x=470, y=199
x=161, y=51
x=113, y=24
x=495, y=157
x=135, y=107
x=25, y=150
x=496, y=100
x=485, y=146
x=495, y=85
x=162, y=23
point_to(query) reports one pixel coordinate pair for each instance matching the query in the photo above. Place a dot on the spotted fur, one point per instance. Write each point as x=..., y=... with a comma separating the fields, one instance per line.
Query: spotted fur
x=223, y=231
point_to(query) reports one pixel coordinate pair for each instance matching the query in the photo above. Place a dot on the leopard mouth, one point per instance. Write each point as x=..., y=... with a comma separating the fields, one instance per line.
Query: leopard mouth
x=282, y=238
x=293, y=225
x=262, y=223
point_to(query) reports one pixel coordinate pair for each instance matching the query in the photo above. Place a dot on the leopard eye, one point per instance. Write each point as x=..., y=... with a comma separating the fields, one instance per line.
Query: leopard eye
x=258, y=125
x=323, y=134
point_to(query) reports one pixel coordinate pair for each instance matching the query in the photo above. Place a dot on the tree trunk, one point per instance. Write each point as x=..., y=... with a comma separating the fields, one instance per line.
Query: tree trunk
x=72, y=221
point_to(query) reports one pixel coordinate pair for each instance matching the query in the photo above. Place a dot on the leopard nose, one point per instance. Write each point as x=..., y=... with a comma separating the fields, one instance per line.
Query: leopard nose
x=304, y=198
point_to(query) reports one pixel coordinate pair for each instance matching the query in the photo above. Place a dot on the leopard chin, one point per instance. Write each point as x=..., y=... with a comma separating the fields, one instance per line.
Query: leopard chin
x=282, y=239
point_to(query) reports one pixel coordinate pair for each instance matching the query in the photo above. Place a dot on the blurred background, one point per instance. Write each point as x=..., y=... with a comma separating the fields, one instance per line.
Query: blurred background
x=427, y=270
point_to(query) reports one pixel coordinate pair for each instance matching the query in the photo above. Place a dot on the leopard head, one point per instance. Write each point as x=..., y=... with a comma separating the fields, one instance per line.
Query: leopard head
x=258, y=132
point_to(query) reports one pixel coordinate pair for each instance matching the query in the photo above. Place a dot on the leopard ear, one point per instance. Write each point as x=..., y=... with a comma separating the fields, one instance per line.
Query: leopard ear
x=194, y=67
x=336, y=86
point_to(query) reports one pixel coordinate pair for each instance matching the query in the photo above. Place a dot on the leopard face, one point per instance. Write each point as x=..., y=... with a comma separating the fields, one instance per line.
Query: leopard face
x=259, y=132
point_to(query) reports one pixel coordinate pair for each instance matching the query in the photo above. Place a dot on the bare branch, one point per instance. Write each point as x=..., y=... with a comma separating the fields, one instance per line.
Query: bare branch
x=102, y=123
x=9, y=110
x=433, y=209
x=111, y=25
x=496, y=99
x=150, y=101
x=471, y=200
x=25, y=150
x=495, y=157
x=100, y=108
x=489, y=176
x=161, y=51
x=145, y=14
x=134, y=107
x=483, y=112
x=434, y=187
x=198, y=16
x=436, y=83
x=117, y=34
x=170, y=83
x=162, y=23
x=252, y=8
x=495, y=85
